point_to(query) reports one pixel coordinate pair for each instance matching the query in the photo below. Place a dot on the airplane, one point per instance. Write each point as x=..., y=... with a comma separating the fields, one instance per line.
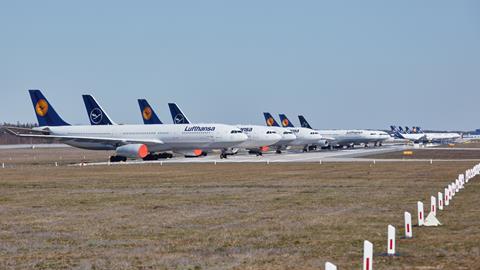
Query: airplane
x=307, y=138
x=287, y=135
x=349, y=138
x=399, y=133
x=437, y=136
x=131, y=141
x=259, y=137
x=98, y=116
x=472, y=135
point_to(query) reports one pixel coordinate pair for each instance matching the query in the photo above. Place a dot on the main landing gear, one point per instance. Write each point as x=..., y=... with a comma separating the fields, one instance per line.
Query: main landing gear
x=153, y=156
x=118, y=159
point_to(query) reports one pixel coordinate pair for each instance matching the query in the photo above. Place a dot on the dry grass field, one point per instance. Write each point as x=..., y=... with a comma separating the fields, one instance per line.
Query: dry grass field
x=446, y=154
x=231, y=216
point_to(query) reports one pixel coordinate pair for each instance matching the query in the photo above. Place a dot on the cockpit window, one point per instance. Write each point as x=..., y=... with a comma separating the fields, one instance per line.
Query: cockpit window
x=287, y=132
x=235, y=131
x=314, y=133
x=271, y=132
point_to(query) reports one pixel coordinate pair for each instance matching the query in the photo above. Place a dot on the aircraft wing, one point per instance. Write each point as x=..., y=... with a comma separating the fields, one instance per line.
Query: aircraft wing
x=106, y=140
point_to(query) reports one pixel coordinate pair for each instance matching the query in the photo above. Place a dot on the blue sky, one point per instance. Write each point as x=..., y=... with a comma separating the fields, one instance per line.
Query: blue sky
x=343, y=64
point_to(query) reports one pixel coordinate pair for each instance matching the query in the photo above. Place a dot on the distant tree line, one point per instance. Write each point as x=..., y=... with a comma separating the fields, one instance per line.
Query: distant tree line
x=7, y=138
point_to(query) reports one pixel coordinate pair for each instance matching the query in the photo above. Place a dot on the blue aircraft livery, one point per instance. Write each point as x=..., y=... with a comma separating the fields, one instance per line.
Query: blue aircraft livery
x=246, y=130
x=95, y=113
x=285, y=121
x=148, y=114
x=178, y=116
x=271, y=122
x=199, y=129
x=303, y=122
x=46, y=114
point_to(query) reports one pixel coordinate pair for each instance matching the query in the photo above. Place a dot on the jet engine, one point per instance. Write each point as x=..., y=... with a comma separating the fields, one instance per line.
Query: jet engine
x=132, y=151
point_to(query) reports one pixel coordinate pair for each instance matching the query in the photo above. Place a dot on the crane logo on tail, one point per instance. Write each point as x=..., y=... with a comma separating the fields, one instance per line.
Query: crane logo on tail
x=270, y=121
x=285, y=122
x=147, y=113
x=179, y=119
x=41, y=108
x=96, y=116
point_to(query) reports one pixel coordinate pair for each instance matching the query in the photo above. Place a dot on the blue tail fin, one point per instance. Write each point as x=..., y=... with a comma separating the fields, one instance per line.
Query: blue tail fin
x=400, y=129
x=46, y=114
x=407, y=130
x=285, y=121
x=396, y=132
x=178, y=116
x=271, y=122
x=148, y=114
x=96, y=115
x=303, y=122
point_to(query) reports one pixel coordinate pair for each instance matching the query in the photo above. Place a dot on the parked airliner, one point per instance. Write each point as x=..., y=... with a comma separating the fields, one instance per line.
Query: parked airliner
x=259, y=137
x=307, y=138
x=349, y=137
x=132, y=141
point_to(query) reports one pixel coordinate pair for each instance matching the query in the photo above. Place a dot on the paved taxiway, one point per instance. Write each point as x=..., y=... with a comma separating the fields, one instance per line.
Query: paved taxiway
x=347, y=155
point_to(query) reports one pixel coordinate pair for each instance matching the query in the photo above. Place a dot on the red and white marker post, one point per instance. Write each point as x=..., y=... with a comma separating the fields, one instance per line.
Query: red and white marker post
x=447, y=199
x=367, y=255
x=440, y=201
x=391, y=241
x=408, y=225
x=330, y=266
x=421, y=215
x=433, y=205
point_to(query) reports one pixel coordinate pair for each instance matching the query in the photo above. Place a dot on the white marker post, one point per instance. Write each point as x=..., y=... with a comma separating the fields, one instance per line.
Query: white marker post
x=330, y=266
x=421, y=216
x=447, y=199
x=433, y=205
x=440, y=201
x=457, y=186
x=391, y=241
x=408, y=225
x=367, y=255
x=453, y=190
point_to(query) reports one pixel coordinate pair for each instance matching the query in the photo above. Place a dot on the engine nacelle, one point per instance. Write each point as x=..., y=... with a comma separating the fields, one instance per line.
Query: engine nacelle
x=192, y=153
x=132, y=151
x=323, y=143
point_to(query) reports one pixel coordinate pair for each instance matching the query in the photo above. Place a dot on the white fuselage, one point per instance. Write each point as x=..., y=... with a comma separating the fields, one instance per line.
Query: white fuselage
x=287, y=137
x=258, y=136
x=355, y=136
x=438, y=136
x=306, y=136
x=173, y=137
